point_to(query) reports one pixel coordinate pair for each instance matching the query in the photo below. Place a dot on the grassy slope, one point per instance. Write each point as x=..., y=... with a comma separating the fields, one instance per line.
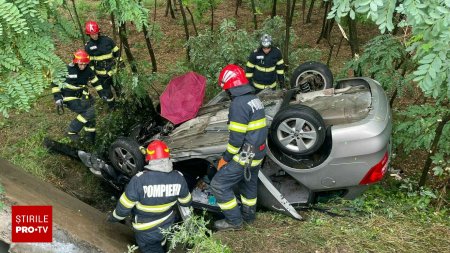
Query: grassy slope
x=389, y=222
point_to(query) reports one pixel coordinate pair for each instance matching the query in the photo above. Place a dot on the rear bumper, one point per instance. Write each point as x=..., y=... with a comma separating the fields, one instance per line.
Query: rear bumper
x=356, y=147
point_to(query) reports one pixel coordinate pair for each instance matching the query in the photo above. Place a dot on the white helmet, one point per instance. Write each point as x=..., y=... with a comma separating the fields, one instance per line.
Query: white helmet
x=266, y=40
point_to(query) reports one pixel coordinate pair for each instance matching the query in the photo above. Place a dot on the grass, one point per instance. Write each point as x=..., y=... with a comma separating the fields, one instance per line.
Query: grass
x=408, y=228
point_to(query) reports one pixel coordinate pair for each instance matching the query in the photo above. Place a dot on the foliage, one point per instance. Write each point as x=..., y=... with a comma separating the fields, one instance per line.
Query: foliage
x=417, y=130
x=127, y=10
x=194, y=234
x=384, y=58
x=201, y=6
x=27, y=59
x=233, y=46
x=429, y=40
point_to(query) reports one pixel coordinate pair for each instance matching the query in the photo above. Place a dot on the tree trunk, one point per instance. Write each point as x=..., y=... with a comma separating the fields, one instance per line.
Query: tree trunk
x=291, y=16
x=303, y=10
x=402, y=73
x=254, y=14
x=78, y=21
x=287, y=37
x=353, y=36
x=238, y=3
x=169, y=8
x=126, y=45
x=150, y=49
x=311, y=7
x=274, y=8
x=175, y=5
x=434, y=146
x=186, y=30
x=212, y=15
x=326, y=24
x=192, y=20
x=154, y=12
x=113, y=23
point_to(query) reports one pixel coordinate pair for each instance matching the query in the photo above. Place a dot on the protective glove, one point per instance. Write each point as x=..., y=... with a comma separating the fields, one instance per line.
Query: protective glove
x=221, y=163
x=121, y=64
x=110, y=218
x=59, y=102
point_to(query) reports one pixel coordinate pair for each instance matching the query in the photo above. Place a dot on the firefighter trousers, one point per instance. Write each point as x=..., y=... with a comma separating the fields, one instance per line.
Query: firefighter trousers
x=222, y=185
x=85, y=117
x=106, y=93
x=152, y=240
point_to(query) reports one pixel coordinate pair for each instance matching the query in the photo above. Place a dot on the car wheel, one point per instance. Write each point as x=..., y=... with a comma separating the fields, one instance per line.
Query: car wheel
x=312, y=76
x=298, y=130
x=126, y=157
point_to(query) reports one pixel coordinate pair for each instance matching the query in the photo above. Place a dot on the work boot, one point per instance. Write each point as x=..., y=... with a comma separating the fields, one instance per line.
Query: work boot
x=223, y=225
x=248, y=214
x=90, y=137
x=74, y=137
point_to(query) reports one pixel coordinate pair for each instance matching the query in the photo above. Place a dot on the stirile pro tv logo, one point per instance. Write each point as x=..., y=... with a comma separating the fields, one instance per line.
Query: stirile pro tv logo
x=31, y=224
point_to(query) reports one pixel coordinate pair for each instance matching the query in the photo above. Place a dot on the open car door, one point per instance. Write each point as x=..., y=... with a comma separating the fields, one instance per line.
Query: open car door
x=270, y=197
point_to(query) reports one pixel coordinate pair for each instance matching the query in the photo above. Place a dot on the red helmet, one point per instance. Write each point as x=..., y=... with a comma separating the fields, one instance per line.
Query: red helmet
x=157, y=150
x=91, y=27
x=80, y=56
x=232, y=76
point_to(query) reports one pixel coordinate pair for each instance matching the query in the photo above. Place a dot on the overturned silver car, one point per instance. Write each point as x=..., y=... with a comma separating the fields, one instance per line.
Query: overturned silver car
x=323, y=141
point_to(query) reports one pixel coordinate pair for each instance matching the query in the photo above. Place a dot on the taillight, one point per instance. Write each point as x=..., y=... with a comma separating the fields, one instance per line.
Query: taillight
x=377, y=172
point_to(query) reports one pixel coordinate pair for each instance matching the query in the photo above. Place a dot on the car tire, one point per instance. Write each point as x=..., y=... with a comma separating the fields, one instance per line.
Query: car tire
x=298, y=130
x=126, y=156
x=312, y=76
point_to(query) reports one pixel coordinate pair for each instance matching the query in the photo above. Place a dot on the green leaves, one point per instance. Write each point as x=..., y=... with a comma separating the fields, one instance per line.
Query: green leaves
x=430, y=40
x=127, y=10
x=27, y=60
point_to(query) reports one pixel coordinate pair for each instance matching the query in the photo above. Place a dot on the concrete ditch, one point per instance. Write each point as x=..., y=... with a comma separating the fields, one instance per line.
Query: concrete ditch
x=77, y=227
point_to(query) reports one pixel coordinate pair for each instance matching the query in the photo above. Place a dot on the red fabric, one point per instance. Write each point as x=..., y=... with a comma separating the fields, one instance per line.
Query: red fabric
x=183, y=97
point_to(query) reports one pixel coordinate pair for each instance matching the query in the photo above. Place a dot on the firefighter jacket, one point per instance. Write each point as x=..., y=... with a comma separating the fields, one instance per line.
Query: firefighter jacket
x=263, y=70
x=75, y=85
x=247, y=125
x=151, y=196
x=103, y=54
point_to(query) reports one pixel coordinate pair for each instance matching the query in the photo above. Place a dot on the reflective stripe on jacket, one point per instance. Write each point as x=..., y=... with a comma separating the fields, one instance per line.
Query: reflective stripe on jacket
x=75, y=85
x=265, y=69
x=247, y=124
x=151, y=196
x=103, y=53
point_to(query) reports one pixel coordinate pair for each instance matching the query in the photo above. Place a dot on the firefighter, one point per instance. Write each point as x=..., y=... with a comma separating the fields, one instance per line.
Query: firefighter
x=74, y=94
x=104, y=55
x=265, y=66
x=151, y=196
x=245, y=151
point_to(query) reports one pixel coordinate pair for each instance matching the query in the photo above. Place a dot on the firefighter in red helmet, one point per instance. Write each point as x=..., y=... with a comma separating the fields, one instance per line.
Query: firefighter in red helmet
x=105, y=57
x=151, y=196
x=245, y=151
x=75, y=95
